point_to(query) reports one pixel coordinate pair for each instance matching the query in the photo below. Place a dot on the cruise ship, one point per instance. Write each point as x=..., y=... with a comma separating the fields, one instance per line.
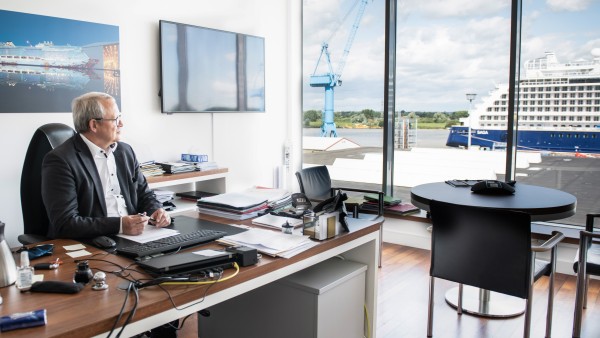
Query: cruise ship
x=44, y=54
x=558, y=109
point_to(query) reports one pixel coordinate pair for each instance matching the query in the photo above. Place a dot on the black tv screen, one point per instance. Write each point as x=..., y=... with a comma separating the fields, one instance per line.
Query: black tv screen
x=209, y=70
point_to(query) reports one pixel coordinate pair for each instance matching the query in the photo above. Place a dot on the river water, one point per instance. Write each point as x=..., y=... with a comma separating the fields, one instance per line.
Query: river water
x=426, y=138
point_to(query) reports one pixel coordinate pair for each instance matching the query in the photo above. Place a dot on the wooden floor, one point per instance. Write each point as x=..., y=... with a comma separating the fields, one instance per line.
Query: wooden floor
x=403, y=294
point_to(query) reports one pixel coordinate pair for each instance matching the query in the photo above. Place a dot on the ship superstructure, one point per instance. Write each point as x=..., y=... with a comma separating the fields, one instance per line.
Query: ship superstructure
x=558, y=109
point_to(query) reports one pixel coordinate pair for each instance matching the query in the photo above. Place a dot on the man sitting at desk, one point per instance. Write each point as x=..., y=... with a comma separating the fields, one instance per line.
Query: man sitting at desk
x=92, y=184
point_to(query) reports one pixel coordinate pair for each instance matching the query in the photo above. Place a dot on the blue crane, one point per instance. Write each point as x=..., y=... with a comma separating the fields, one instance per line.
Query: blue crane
x=332, y=79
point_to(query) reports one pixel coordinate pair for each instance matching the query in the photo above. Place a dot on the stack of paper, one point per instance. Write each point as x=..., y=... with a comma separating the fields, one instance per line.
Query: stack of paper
x=276, y=198
x=276, y=222
x=206, y=166
x=273, y=243
x=238, y=206
x=164, y=195
x=177, y=167
x=151, y=169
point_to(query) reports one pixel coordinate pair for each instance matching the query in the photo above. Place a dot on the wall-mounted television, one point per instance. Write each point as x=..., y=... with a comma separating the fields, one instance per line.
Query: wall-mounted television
x=210, y=70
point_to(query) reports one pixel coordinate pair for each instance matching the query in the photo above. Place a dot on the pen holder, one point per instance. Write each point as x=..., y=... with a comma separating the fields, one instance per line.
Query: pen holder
x=321, y=226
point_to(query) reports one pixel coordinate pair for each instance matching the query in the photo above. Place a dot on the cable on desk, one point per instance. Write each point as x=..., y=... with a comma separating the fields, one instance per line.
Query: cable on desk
x=130, y=287
x=235, y=266
x=116, y=273
x=211, y=283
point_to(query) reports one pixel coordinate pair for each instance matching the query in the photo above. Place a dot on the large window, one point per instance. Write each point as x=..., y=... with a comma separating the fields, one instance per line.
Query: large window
x=452, y=83
x=343, y=52
x=558, y=59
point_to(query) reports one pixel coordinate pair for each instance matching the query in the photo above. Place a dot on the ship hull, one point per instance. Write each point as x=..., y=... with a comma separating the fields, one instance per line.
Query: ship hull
x=535, y=140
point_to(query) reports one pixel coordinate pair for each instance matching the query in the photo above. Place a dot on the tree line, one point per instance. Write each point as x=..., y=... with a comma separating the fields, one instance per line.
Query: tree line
x=374, y=119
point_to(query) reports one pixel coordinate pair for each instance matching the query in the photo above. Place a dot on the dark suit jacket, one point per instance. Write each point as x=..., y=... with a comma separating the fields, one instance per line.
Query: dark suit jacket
x=72, y=190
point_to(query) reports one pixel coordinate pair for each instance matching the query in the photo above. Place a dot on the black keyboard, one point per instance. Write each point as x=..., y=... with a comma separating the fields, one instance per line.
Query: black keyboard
x=170, y=243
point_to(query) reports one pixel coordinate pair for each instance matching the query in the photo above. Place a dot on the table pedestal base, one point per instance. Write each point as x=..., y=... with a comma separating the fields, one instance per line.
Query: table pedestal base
x=484, y=303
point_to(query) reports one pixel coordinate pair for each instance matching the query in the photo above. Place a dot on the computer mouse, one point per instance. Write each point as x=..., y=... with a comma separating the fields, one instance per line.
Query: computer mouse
x=104, y=242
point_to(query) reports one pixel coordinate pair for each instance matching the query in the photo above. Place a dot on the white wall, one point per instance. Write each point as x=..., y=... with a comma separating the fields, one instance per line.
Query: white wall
x=249, y=144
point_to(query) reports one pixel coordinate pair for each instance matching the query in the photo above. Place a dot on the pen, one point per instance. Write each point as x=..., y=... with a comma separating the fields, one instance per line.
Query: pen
x=144, y=214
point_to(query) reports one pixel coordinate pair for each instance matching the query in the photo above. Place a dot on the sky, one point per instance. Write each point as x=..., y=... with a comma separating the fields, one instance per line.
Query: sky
x=445, y=48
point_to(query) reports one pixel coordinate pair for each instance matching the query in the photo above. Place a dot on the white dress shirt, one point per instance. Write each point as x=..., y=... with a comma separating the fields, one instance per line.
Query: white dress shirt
x=107, y=170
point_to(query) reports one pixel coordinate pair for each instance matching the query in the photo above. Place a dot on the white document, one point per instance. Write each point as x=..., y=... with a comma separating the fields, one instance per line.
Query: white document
x=267, y=241
x=151, y=233
x=276, y=222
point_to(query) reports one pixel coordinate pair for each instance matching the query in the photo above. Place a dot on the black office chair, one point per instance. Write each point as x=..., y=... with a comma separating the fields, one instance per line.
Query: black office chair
x=315, y=183
x=489, y=249
x=589, y=256
x=35, y=218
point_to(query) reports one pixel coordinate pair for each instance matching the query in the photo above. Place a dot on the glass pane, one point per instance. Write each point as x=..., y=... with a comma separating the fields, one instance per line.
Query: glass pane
x=343, y=67
x=450, y=57
x=559, y=127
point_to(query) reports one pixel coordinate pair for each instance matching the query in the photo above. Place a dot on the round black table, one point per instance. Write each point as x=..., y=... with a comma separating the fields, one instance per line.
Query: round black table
x=543, y=204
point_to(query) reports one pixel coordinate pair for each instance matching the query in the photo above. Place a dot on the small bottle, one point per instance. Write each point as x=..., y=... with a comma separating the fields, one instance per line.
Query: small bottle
x=24, y=273
x=83, y=274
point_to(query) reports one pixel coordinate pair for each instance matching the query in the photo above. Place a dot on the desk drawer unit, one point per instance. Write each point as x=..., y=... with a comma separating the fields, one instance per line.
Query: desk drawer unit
x=322, y=301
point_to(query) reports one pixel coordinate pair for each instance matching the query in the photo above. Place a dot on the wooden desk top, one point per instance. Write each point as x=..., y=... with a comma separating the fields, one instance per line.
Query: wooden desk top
x=543, y=204
x=90, y=313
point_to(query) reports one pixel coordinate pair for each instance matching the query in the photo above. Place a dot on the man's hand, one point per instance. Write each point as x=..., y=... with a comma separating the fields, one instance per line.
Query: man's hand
x=134, y=224
x=160, y=218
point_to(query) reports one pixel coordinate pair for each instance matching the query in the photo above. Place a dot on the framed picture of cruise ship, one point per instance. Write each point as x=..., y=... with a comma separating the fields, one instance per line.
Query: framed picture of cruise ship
x=45, y=62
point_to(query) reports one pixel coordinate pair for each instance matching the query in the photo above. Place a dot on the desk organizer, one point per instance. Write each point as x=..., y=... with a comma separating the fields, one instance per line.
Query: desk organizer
x=321, y=226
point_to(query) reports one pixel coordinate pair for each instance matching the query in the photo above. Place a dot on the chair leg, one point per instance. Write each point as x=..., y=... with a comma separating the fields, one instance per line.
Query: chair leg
x=580, y=296
x=551, y=293
x=460, y=299
x=380, y=243
x=585, y=291
x=430, y=308
x=527, y=326
x=581, y=289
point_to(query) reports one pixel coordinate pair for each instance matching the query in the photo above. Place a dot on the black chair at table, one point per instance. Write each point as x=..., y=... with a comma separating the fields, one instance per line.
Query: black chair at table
x=315, y=183
x=587, y=262
x=489, y=249
x=35, y=218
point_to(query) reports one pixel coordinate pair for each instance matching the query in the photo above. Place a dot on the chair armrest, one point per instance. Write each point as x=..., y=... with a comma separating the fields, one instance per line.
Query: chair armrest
x=377, y=192
x=28, y=239
x=556, y=238
x=589, y=221
x=588, y=234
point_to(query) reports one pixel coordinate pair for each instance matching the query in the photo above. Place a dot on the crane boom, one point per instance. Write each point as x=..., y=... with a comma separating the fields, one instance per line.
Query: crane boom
x=332, y=79
x=361, y=11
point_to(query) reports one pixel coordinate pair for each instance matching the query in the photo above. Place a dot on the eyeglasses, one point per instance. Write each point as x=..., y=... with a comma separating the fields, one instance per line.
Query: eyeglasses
x=116, y=120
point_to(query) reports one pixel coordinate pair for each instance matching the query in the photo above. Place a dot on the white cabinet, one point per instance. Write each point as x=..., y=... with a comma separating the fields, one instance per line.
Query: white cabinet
x=208, y=180
x=322, y=301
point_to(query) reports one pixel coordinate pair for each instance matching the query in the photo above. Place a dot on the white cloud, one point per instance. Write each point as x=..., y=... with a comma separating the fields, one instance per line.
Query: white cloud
x=568, y=5
x=444, y=50
x=457, y=8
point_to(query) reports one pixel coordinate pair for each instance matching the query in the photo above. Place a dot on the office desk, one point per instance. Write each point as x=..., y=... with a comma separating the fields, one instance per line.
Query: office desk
x=92, y=313
x=543, y=204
